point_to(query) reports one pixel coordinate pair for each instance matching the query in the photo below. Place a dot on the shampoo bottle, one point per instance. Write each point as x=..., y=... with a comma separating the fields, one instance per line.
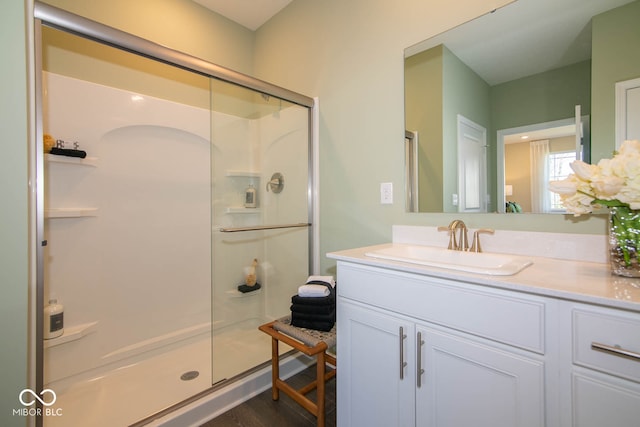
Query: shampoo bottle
x=250, y=197
x=53, y=319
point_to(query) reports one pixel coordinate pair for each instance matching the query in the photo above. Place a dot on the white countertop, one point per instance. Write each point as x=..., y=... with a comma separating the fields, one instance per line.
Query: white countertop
x=588, y=282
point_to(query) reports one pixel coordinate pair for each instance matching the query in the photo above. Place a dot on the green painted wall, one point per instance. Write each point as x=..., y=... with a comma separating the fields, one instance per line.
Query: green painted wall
x=424, y=77
x=543, y=97
x=350, y=55
x=616, y=57
x=183, y=25
x=14, y=193
x=540, y=98
x=438, y=87
x=467, y=94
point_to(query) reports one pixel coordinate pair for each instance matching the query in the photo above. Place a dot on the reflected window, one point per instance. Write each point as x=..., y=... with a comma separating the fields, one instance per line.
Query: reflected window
x=559, y=169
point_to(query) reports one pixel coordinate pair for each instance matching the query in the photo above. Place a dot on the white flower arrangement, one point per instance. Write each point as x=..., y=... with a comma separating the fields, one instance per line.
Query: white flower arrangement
x=615, y=184
x=611, y=183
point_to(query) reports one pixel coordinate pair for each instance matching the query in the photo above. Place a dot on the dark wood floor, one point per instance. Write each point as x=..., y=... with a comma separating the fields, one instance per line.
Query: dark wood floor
x=262, y=411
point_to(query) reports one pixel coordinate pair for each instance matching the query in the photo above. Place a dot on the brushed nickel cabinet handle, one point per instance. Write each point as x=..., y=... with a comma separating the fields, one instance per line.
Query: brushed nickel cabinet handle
x=616, y=350
x=402, y=362
x=419, y=370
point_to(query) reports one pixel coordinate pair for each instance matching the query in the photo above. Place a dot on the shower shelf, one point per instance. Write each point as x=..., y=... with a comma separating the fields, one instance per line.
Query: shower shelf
x=73, y=333
x=87, y=161
x=242, y=174
x=237, y=294
x=70, y=212
x=243, y=210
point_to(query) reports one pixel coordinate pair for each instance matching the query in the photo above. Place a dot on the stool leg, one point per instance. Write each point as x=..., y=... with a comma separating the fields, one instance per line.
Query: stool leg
x=275, y=369
x=320, y=391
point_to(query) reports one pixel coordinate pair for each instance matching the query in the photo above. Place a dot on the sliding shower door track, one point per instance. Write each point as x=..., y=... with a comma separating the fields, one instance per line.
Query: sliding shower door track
x=215, y=387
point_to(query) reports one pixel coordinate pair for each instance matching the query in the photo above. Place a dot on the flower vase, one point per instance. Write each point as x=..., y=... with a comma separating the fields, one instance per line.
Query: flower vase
x=624, y=241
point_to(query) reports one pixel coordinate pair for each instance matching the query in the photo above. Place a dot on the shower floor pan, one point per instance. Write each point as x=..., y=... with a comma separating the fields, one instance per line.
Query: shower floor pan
x=132, y=392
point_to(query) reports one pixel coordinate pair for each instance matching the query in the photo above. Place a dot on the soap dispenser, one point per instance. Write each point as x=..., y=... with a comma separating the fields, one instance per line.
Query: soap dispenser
x=53, y=320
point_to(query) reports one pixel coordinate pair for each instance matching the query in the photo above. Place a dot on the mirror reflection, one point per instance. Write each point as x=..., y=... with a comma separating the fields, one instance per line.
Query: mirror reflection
x=502, y=104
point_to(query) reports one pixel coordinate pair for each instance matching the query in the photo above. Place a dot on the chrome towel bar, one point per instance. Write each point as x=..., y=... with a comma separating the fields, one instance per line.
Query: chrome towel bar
x=263, y=227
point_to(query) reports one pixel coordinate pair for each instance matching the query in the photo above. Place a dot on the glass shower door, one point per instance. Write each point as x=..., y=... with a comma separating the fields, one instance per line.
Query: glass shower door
x=128, y=228
x=261, y=205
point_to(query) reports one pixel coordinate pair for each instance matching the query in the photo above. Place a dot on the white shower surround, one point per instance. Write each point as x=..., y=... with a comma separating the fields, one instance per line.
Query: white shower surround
x=136, y=313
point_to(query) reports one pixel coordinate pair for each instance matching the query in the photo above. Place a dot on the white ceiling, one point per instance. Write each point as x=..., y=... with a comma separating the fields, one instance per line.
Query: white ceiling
x=248, y=13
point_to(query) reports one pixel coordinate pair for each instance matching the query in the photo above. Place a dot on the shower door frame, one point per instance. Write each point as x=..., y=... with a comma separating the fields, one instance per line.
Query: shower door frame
x=50, y=16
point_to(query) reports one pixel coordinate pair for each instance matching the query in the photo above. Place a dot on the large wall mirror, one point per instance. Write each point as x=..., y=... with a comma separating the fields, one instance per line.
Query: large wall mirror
x=498, y=106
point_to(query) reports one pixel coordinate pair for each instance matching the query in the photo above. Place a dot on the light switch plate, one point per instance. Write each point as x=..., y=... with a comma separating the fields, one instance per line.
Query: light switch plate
x=386, y=193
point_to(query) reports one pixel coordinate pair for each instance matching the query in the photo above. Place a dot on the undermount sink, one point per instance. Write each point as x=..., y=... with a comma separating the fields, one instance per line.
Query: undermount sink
x=472, y=262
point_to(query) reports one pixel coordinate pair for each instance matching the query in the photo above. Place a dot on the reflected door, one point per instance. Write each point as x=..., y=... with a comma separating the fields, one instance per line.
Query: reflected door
x=472, y=173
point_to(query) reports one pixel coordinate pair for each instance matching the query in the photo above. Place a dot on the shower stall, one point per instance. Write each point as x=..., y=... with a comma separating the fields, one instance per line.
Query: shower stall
x=174, y=216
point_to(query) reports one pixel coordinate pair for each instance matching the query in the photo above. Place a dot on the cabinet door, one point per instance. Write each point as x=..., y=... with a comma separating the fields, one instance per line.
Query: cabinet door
x=604, y=400
x=371, y=391
x=466, y=383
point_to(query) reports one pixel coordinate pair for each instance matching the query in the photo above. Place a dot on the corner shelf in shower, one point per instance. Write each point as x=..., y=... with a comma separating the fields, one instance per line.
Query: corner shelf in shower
x=242, y=174
x=70, y=212
x=72, y=333
x=242, y=210
x=87, y=161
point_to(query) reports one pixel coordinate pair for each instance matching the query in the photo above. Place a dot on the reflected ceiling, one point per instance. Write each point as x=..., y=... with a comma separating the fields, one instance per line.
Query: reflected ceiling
x=543, y=35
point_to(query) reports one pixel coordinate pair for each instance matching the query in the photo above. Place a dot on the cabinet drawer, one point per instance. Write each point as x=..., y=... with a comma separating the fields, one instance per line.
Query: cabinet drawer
x=493, y=314
x=618, y=331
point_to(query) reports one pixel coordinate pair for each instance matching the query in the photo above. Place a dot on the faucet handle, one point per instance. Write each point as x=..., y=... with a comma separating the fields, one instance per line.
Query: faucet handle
x=452, y=236
x=475, y=246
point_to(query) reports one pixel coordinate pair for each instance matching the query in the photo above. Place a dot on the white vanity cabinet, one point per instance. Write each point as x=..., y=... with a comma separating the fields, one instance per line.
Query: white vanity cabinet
x=371, y=391
x=423, y=351
x=605, y=374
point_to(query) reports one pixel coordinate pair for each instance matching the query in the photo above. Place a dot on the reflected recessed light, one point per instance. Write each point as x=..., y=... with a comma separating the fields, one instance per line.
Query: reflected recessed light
x=136, y=98
x=524, y=137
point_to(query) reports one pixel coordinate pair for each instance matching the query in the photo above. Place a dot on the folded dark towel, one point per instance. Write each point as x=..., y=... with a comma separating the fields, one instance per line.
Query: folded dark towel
x=321, y=301
x=331, y=317
x=312, y=324
x=68, y=152
x=313, y=309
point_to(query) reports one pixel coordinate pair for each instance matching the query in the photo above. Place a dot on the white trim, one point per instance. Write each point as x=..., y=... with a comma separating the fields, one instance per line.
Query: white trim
x=411, y=142
x=621, y=108
x=315, y=188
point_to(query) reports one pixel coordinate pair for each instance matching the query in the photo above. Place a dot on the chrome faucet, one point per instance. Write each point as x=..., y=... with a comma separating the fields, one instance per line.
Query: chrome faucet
x=462, y=242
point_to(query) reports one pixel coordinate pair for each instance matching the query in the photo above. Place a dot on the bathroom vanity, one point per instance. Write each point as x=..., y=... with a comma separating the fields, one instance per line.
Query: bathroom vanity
x=556, y=344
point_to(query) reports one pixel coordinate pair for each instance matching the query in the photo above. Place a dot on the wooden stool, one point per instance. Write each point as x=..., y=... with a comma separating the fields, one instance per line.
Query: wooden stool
x=311, y=343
